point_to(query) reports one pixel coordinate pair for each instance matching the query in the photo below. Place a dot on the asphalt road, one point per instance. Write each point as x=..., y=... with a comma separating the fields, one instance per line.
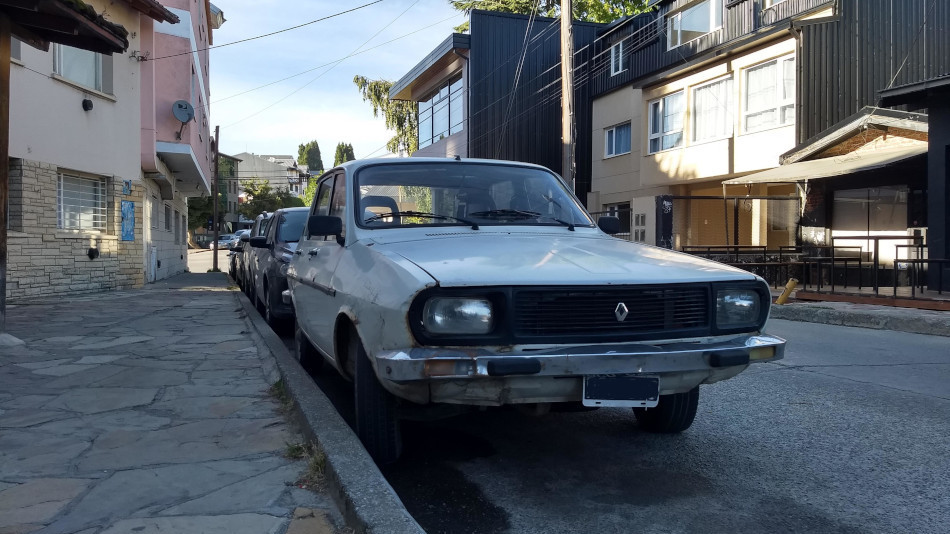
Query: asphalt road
x=847, y=434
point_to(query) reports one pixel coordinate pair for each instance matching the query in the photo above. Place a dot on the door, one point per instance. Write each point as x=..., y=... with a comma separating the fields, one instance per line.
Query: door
x=316, y=260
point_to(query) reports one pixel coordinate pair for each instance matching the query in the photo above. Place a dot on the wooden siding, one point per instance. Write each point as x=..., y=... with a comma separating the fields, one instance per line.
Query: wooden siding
x=525, y=124
x=645, y=38
x=872, y=46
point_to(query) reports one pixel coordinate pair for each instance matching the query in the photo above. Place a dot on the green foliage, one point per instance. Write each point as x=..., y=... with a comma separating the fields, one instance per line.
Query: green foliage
x=344, y=152
x=309, y=155
x=262, y=197
x=584, y=10
x=400, y=115
x=200, y=209
x=310, y=192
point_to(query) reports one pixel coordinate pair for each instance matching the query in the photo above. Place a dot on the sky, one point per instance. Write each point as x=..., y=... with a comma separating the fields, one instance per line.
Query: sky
x=326, y=105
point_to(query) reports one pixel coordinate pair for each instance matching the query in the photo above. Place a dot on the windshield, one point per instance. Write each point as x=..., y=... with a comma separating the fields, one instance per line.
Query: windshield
x=291, y=226
x=454, y=193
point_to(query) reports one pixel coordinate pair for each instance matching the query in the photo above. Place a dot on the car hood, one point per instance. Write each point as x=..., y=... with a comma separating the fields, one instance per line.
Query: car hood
x=503, y=258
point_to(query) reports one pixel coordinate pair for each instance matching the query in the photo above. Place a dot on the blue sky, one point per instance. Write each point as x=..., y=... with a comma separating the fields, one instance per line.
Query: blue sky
x=327, y=106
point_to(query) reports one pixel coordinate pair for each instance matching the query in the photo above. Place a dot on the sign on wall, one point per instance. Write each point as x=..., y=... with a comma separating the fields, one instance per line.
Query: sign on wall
x=128, y=220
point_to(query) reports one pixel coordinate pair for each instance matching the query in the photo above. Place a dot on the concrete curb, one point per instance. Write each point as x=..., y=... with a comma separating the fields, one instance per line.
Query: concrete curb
x=866, y=316
x=368, y=503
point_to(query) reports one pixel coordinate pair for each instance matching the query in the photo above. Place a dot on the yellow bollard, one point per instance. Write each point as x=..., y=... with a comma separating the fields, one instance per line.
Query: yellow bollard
x=789, y=287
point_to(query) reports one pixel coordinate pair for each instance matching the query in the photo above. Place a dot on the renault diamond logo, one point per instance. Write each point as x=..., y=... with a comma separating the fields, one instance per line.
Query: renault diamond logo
x=621, y=312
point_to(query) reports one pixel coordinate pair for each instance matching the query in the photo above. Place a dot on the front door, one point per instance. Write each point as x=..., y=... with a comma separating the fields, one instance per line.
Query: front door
x=317, y=258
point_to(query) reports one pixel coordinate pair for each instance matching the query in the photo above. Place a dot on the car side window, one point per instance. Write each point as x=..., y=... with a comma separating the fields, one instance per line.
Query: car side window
x=321, y=201
x=338, y=203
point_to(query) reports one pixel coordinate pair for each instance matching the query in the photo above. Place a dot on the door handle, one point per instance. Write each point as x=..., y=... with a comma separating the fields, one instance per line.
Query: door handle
x=298, y=252
x=313, y=252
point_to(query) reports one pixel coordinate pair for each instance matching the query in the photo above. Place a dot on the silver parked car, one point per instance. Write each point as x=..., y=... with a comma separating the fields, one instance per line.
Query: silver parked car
x=484, y=283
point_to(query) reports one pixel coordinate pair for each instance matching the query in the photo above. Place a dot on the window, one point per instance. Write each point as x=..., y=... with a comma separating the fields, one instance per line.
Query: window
x=666, y=122
x=15, y=48
x=770, y=3
x=177, y=227
x=616, y=59
x=617, y=140
x=769, y=95
x=184, y=229
x=83, y=67
x=154, y=212
x=712, y=110
x=693, y=22
x=443, y=114
x=82, y=203
x=639, y=227
x=168, y=218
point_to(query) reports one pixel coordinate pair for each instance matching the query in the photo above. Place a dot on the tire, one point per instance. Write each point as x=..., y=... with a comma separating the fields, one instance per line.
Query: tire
x=276, y=324
x=674, y=413
x=377, y=424
x=309, y=358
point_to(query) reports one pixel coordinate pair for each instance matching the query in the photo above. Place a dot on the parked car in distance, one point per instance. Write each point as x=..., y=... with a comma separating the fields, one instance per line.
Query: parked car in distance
x=276, y=249
x=249, y=255
x=235, y=255
x=432, y=282
x=224, y=242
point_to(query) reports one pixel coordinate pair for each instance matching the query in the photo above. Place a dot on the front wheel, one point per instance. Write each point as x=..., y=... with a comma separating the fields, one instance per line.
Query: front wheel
x=376, y=422
x=309, y=358
x=673, y=414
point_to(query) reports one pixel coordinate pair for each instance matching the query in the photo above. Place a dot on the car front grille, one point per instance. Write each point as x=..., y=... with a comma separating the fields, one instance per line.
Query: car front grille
x=590, y=313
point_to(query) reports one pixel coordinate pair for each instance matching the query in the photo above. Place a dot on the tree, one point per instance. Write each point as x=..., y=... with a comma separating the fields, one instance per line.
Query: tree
x=400, y=115
x=310, y=192
x=344, y=152
x=261, y=196
x=201, y=210
x=584, y=10
x=309, y=155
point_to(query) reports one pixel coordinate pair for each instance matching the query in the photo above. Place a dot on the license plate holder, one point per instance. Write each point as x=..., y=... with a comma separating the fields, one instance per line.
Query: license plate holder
x=629, y=391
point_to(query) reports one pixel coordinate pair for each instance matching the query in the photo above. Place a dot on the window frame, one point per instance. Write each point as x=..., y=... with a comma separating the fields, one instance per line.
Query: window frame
x=100, y=203
x=58, y=63
x=608, y=143
x=436, y=99
x=616, y=58
x=779, y=103
x=730, y=109
x=716, y=5
x=660, y=135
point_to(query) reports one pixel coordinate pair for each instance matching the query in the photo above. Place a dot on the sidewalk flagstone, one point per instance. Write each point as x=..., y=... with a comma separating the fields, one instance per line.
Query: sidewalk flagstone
x=144, y=411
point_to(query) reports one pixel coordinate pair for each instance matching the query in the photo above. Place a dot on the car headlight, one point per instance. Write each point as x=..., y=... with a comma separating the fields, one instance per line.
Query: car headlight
x=738, y=308
x=457, y=315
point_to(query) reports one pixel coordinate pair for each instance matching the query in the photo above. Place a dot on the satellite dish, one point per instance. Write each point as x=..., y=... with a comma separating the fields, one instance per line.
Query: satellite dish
x=184, y=112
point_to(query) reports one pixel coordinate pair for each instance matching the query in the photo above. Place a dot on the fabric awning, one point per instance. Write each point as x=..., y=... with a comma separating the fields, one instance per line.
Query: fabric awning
x=828, y=167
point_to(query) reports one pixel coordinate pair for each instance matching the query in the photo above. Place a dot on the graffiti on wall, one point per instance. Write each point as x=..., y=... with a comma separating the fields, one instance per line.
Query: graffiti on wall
x=128, y=220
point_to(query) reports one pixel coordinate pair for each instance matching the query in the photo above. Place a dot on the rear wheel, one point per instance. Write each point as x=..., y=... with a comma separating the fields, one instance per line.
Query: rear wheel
x=276, y=323
x=376, y=421
x=673, y=414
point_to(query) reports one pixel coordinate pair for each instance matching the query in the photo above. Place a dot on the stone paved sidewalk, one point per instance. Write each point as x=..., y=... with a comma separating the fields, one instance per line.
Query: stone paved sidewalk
x=146, y=411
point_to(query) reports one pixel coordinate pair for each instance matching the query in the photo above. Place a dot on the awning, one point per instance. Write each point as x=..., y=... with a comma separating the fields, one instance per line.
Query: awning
x=829, y=167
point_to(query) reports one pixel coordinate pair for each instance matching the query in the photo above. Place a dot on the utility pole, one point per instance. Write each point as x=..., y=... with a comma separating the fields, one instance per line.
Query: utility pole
x=567, y=93
x=6, y=340
x=214, y=198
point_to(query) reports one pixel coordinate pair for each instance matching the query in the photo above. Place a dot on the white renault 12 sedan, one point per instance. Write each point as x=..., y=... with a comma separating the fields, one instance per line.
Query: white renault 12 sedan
x=435, y=282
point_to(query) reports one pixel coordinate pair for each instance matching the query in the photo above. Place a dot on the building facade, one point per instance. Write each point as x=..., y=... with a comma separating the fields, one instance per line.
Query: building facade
x=697, y=95
x=97, y=202
x=496, y=92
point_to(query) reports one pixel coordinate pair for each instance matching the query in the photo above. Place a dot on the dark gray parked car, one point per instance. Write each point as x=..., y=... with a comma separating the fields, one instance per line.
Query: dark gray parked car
x=275, y=249
x=247, y=261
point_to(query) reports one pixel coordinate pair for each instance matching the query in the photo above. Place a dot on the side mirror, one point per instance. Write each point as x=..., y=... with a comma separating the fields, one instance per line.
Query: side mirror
x=245, y=238
x=609, y=224
x=259, y=242
x=324, y=225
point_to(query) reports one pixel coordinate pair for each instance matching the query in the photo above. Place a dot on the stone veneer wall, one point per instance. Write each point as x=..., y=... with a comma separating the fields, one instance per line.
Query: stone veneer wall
x=44, y=260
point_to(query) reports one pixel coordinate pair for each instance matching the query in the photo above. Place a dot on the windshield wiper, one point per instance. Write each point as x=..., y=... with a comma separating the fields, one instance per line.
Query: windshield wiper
x=508, y=214
x=473, y=224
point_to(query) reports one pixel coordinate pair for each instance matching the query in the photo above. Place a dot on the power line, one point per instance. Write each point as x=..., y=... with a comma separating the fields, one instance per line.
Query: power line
x=268, y=34
x=518, y=69
x=390, y=23
x=334, y=61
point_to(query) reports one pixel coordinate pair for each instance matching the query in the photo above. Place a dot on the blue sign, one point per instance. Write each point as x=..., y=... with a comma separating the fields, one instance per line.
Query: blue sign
x=128, y=220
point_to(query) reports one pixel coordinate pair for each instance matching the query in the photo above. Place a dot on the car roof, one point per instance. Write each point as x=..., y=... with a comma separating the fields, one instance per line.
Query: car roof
x=359, y=163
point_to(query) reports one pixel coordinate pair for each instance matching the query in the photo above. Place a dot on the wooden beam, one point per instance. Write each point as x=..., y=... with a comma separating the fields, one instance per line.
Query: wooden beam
x=29, y=5
x=30, y=37
x=44, y=21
